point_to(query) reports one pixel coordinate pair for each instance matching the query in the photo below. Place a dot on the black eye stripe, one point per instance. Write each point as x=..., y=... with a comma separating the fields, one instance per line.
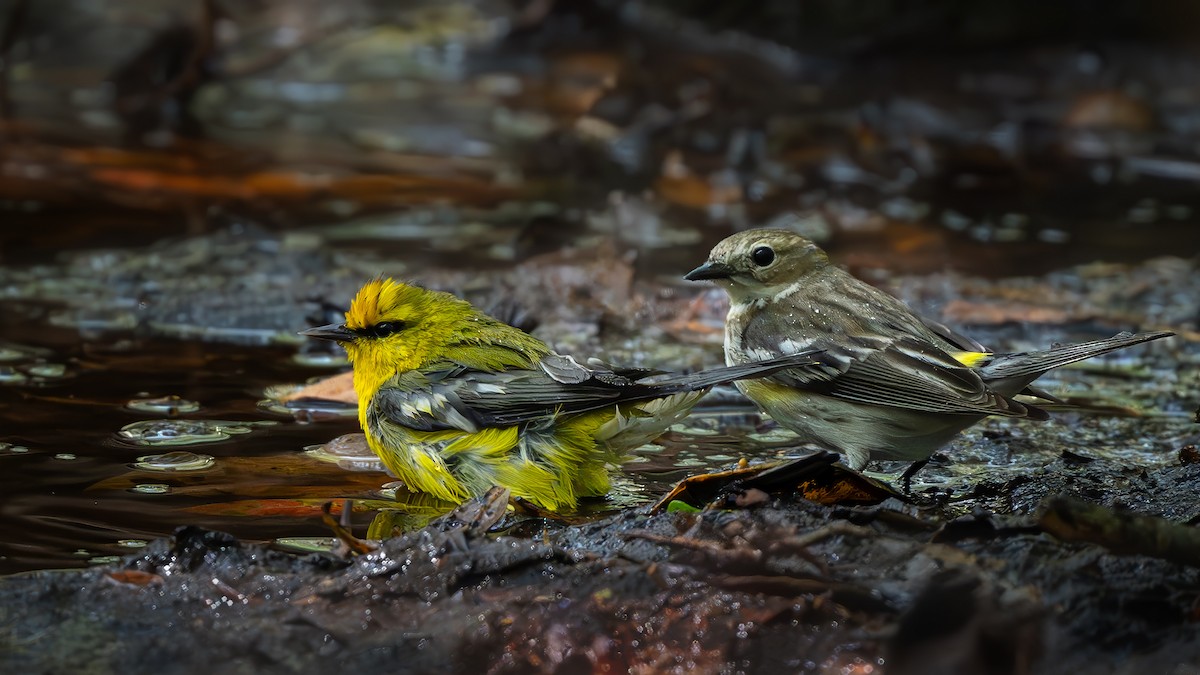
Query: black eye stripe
x=381, y=329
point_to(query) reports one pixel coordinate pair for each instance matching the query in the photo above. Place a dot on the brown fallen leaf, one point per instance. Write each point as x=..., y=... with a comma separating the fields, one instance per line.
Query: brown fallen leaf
x=816, y=477
x=337, y=388
x=135, y=578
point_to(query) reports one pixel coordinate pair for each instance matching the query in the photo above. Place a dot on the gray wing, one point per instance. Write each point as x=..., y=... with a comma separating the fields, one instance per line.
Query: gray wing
x=952, y=336
x=454, y=397
x=469, y=400
x=899, y=371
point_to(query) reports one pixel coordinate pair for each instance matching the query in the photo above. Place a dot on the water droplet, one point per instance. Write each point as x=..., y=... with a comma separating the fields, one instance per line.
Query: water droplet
x=184, y=432
x=349, y=452
x=104, y=560
x=305, y=544
x=165, y=405
x=49, y=370
x=82, y=552
x=175, y=461
x=371, y=464
x=10, y=354
x=65, y=456
x=151, y=488
x=392, y=490
x=9, y=375
x=132, y=543
x=10, y=449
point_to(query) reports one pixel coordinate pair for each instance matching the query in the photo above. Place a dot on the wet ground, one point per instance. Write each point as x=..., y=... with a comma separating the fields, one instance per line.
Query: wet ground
x=167, y=233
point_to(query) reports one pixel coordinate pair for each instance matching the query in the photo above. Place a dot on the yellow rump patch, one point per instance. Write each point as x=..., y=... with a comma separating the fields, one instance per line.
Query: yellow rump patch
x=970, y=359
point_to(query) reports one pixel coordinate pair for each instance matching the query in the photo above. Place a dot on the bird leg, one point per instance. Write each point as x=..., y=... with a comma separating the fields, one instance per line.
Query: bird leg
x=348, y=543
x=907, y=476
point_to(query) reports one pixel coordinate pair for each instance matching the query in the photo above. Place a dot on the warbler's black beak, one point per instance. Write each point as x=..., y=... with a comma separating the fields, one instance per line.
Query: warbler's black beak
x=710, y=270
x=334, y=331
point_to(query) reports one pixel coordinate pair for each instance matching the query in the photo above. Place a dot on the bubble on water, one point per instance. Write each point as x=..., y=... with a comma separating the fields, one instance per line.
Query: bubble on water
x=166, y=405
x=81, y=553
x=10, y=351
x=151, y=488
x=267, y=405
x=305, y=544
x=699, y=431
x=361, y=464
x=10, y=375
x=132, y=543
x=349, y=452
x=775, y=435
x=180, y=460
x=321, y=360
x=47, y=370
x=11, y=354
x=65, y=456
x=184, y=432
x=392, y=490
x=104, y=560
x=11, y=449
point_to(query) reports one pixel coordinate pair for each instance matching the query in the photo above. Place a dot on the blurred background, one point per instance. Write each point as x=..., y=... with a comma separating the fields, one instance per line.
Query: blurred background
x=1002, y=138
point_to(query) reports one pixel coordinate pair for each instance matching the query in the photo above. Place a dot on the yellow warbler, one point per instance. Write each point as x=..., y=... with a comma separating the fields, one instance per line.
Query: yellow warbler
x=454, y=401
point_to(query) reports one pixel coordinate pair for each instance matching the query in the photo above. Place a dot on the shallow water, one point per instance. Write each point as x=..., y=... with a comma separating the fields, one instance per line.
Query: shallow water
x=467, y=168
x=56, y=516
x=75, y=493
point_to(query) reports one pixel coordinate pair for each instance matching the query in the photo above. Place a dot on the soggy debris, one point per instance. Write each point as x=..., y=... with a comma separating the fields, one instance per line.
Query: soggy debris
x=792, y=586
x=1130, y=534
x=818, y=477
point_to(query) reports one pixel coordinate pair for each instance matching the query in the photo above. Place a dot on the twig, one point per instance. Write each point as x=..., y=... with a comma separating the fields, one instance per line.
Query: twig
x=1123, y=533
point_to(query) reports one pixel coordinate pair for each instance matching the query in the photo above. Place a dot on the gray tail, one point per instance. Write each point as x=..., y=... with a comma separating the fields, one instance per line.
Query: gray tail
x=743, y=371
x=1032, y=364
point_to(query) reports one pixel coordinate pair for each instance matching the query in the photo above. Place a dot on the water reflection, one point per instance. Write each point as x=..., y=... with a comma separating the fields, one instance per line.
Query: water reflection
x=175, y=461
x=259, y=479
x=170, y=405
x=185, y=432
x=257, y=175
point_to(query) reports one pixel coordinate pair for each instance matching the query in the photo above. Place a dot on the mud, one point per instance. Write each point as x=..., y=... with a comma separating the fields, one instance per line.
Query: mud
x=790, y=587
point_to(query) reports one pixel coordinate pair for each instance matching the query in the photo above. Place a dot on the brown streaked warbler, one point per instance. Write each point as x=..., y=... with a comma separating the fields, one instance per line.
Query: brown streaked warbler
x=892, y=384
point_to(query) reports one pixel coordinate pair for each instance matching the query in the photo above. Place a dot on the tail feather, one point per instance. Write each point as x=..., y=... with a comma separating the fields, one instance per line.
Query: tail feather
x=1032, y=364
x=675, y=383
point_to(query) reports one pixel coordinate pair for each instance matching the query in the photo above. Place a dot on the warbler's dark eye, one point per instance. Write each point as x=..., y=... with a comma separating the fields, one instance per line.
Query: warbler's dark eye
x=763, y=256
x=386, y=328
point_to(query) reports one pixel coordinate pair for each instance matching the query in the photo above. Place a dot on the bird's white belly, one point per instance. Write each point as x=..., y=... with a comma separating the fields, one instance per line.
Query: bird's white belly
x=860, y=432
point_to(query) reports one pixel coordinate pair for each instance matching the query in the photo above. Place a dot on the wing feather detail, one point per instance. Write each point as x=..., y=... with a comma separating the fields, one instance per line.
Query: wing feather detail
x=451, y=397
x=902, y=372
